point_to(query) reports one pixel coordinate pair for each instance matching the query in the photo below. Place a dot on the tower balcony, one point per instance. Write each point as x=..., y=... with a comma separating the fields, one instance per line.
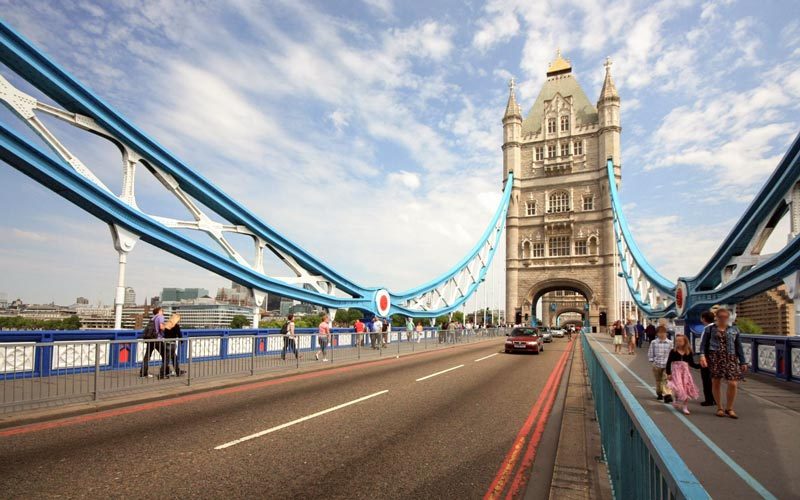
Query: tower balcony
x=559, y=165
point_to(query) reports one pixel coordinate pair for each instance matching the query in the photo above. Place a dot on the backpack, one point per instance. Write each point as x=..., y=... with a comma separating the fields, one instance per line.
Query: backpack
x=150, y=330
x=285, y=329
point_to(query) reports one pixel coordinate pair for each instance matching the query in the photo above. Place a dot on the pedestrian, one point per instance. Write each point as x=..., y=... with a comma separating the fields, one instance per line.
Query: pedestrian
x=289, y=340
x=153, y=336
x=420, y=331
x=409, y=329
x=172, y=334
x=359, y=327
x=707, y=318
x=630, y=333
x=387, y=328
x=650, y=331
x=639, y=334
x=323, y=337
x=722, y=353
x=617, y=331
x=679, y=377
x=377, y=328
x=657, y=355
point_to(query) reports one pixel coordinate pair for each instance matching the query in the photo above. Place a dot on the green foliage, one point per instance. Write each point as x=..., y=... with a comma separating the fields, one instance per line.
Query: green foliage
x=20, y=323
x=346, y=317
x=240, y=321
x=747, y=325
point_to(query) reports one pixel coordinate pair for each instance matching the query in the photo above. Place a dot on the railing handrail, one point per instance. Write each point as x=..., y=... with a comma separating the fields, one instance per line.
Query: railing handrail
x=673, y=468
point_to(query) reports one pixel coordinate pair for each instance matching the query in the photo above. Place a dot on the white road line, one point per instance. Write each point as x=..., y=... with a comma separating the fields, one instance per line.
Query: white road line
x=439, y=373
x=293, y=422
x=487, y=357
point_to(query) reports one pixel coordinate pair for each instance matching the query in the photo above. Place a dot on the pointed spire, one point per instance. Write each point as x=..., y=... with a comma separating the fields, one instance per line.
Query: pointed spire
x=609, y=91
x=512, y=108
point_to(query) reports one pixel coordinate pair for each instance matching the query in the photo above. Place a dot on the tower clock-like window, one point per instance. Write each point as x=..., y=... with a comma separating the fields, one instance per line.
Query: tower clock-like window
x=588, y=202
x=539, y=153
x=564, y=149
x=551, y=125
x=530, y=208
x=565, y=123
x=559, y=246
x=577, y=148
x=559, y=202
x=551, y=151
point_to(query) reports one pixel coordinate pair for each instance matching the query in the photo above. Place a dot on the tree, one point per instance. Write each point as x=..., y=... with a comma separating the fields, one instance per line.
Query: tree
x=240, y=321
x=747, y=325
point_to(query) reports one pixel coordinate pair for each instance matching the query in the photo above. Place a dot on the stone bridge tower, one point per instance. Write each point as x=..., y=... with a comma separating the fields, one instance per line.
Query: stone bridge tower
x=559, y=232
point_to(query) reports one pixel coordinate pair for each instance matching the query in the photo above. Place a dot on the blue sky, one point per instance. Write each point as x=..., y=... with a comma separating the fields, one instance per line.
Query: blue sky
x=369, y=131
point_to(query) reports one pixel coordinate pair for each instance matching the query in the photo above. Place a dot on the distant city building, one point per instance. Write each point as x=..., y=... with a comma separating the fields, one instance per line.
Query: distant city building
x=130, y=297
x=179, y=294
x=3, y=300
x=772, y=310
x=45, y=311
x=273, y=302
x=286, y=306
x=155, y=301
x=206, y=313
x=236, y=295
x=95, y=317
x=82, y=301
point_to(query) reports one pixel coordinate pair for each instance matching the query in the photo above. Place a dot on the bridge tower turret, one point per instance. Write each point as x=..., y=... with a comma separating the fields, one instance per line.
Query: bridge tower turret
x=608, y=117
x=512, y=133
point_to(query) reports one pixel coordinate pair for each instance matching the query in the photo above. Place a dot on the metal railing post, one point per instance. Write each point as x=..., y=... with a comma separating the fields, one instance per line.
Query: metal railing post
x=189, y=354
x=359, y=339
x=253, y=355
x=297, y=350
x=96, y=369
x=332, y=346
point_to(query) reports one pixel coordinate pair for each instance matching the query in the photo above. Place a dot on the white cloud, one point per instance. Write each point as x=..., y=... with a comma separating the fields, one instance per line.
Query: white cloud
x=27, y=235
x=407, y=179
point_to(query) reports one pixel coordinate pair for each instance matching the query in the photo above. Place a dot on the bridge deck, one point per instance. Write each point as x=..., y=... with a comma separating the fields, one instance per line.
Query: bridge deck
x=756, y=455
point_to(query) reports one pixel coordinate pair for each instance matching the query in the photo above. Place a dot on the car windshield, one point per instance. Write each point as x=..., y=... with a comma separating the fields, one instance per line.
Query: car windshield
x=524, y=332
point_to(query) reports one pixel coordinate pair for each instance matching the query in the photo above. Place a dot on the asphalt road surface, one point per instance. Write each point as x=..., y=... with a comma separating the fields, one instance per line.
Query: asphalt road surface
x=397, y=428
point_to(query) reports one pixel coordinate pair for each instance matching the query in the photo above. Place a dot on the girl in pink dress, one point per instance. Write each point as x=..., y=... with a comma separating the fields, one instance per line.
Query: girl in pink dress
x=678, y=374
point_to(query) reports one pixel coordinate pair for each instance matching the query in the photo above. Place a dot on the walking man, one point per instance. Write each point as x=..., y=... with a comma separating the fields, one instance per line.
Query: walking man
x=154, y=337
x=323, y=337
x=707, y=317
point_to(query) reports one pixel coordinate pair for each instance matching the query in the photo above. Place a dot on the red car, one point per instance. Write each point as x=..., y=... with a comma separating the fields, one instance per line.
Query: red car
x=525, y=340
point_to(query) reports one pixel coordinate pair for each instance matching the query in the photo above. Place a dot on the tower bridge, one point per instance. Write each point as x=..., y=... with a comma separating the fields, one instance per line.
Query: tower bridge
x=460, y=421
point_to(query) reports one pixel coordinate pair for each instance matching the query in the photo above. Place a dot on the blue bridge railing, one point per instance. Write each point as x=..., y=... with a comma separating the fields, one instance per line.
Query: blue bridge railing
x=641, y=462
x=771, y=354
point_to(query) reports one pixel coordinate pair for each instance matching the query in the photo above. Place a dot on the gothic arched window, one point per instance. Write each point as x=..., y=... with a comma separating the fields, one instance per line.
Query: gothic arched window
x=559, y=202
x=526, y=249
x=565, y=123
x=530, y=208
x=551, y=125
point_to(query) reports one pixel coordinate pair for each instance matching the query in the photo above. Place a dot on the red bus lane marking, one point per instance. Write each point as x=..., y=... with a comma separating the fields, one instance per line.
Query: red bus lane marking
x=500, y=480
x=521, y=477
x=106, y=414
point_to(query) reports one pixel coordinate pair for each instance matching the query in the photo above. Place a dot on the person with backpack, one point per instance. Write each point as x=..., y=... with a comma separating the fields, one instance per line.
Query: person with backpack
x=153, y=336
x=172, y=334
x=287, y=330
x=409, y=329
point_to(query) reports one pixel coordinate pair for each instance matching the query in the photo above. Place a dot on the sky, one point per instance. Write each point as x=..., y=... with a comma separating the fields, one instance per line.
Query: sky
x=369, y=131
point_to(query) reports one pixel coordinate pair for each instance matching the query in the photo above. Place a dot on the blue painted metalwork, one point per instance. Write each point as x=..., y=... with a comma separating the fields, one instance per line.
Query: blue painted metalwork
x=24, y=59
x=641, y=462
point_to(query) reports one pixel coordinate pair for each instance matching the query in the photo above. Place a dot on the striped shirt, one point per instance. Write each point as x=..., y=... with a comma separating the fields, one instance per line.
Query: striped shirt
x=659, y=352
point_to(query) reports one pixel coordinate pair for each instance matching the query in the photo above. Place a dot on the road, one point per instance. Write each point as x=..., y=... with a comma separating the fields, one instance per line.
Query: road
x=444, y=424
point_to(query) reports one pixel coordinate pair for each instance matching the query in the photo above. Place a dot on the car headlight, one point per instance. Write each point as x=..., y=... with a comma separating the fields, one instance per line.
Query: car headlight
x=532, y=343
x=509, y=342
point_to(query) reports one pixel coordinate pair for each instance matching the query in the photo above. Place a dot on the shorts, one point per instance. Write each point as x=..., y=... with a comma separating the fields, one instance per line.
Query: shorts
x=617, y=339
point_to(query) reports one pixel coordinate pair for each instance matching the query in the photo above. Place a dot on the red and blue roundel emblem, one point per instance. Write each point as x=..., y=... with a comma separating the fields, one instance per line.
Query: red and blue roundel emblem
x=681, y=294
x=382, y=302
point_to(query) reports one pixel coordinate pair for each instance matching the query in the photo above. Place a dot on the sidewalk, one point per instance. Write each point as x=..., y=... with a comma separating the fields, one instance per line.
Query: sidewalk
x=755, y=456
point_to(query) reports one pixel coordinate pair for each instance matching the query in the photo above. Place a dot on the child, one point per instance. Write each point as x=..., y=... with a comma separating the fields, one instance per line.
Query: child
x=680, y=378
x=657, y=354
